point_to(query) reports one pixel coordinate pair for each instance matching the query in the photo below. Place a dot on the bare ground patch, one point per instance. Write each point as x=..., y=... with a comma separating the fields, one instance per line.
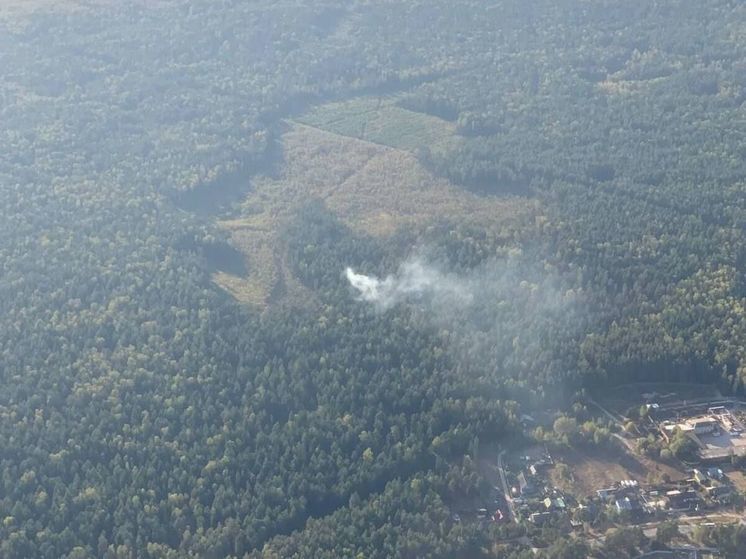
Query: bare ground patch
x=598, y=469
x=738, y=478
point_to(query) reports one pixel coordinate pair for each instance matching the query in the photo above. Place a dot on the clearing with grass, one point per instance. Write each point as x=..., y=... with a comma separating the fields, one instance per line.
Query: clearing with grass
x=381, y=121
x=371, y=188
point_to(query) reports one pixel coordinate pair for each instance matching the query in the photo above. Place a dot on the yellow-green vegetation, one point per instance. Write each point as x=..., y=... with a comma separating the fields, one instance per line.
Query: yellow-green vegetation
x=372, y=188
x=381, y=121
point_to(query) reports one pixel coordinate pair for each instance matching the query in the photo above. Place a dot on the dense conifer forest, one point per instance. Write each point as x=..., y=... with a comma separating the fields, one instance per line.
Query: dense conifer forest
x=146, y=412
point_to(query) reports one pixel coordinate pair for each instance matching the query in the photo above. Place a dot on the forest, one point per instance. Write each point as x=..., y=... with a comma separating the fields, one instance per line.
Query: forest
x=147, y=412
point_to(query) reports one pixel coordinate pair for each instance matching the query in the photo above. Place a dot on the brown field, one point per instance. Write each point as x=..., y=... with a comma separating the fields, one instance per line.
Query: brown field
x=372, y=188
x=595, y=470
x=738, y=478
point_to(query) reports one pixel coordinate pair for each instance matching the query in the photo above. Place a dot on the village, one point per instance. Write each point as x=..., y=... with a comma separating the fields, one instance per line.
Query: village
x=670, y=462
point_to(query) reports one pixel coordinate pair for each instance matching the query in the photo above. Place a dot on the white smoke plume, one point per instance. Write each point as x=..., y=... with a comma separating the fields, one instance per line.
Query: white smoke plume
x=414, y=279
x=511, y=315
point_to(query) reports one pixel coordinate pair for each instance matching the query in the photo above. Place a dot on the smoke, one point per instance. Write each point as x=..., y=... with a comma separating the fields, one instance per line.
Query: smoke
x=513, y=315
x=415, y=279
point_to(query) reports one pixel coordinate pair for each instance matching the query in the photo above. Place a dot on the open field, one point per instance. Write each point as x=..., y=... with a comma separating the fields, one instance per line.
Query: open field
x=598, y=469
x=379, y=120
x=373, y=189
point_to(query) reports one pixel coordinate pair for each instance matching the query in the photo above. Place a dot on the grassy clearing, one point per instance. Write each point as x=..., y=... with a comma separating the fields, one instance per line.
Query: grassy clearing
x=379, y=120
x=372, y=188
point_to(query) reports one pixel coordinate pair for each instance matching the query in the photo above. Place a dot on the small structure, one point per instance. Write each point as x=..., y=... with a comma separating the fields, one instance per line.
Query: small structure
x=539, y=467
x=556, y=504
x=540, y=518
x=701, y=477
x=719, y=491
x=628, y=504
x=697, y=426
x=681, y=499
x=606, y=494
x=716, y=473
x=675, y=499
x=704, y=426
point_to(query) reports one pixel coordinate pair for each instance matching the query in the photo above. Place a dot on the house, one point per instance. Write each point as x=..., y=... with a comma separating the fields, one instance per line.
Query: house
x=539, y=518
x=676, y=499
x=628, y=504
x=715, y=473
x=538, y=467
x=681, y=499
x=698, y=426
x=607, y=494
x=623, y=504
x=719, y=491
x=703, y=426
x=557, y=503
x=701, y=477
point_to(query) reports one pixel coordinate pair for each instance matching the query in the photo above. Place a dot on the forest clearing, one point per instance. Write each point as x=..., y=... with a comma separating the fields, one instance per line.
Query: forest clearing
x=380, y=120
x=373, y=189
